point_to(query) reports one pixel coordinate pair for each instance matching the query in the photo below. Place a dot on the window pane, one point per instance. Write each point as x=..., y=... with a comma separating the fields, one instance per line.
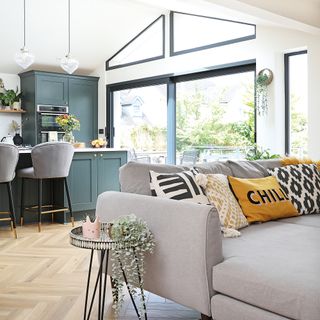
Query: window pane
x=149, y=44
x=195, y=32
x=298, y=104
x=140, y=120
x=215, y=117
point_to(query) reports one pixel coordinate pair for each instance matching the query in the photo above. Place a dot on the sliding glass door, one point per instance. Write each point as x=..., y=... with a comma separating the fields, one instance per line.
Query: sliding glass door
x=185, y=119
x=140, y=122
x=215, y=117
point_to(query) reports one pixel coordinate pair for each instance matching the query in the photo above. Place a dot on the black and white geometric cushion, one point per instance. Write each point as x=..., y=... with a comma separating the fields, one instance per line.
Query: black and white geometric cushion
x=178, y=186
x=302, y=184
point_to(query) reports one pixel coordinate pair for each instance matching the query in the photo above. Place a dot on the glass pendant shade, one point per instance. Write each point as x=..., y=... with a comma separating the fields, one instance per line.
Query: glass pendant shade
x=69, y=64
x=24, y=58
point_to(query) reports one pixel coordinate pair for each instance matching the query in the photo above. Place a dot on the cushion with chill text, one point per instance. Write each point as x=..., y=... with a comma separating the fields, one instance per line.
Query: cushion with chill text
x=302, y=184
x=262, y=199
x=177, y=186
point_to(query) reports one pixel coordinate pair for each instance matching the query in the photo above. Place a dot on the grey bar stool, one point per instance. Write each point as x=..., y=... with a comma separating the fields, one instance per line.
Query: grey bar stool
x=50, y=160
x=9, y=155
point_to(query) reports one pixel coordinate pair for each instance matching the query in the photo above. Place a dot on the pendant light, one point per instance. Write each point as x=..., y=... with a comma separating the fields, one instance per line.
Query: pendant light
x=67, y=63
x=24, y=58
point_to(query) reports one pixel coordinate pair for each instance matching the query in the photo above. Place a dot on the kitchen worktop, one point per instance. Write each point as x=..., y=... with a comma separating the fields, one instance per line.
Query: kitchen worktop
x=77, y=150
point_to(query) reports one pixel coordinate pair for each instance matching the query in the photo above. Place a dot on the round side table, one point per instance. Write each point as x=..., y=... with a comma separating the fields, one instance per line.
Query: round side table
x=103, y=244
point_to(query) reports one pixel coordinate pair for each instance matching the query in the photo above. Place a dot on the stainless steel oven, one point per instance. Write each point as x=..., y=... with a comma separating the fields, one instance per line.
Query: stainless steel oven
x=48, y=129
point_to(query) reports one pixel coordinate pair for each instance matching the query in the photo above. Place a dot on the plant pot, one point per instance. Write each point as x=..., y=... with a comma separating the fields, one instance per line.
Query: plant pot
x=16, y=105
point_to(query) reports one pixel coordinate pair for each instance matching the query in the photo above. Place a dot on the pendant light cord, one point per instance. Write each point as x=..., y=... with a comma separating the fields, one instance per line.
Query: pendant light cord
x=69, y=27
x=24, y=24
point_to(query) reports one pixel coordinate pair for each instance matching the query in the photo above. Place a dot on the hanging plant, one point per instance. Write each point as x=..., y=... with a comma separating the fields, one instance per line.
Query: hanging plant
x=264, y=78
x=129, y=258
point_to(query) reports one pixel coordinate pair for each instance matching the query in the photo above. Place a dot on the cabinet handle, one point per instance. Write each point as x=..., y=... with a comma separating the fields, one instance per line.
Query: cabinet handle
x=95, y=155
x=101, y=155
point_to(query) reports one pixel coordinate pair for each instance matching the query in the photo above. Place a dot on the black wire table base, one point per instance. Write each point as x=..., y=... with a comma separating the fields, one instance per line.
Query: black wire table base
x=101, y=283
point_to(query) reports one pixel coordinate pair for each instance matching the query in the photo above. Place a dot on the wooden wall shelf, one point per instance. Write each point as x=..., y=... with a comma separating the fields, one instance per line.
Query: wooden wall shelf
x=12, y=111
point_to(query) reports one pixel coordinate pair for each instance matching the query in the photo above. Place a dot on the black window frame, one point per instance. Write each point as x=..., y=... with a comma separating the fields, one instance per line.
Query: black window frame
x=213, y=45
x=171, y=80
x=162, y=16
x=287, y=97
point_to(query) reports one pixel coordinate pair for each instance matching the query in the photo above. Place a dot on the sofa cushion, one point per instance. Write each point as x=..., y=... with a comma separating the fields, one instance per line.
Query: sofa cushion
x=213, y=167
x=302, y=184
x=177, y=186
x=262, y=199
x=274, y=266
x=247, y=169
x=134, y=176
x=219, y=194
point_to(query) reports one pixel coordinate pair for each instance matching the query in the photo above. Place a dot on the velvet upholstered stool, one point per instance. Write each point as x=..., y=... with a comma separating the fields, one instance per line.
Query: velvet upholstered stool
x=50, y=160
x=9, y=155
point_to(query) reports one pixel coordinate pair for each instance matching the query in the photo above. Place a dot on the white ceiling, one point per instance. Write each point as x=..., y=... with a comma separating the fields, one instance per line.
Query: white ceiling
x=101, y=27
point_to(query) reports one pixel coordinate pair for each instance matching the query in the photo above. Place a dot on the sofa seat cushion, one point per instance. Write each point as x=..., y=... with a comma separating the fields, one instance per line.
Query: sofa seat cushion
x=274, y=266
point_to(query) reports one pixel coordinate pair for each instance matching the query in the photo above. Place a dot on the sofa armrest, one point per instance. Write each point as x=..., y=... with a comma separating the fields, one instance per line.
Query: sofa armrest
x=188, y=244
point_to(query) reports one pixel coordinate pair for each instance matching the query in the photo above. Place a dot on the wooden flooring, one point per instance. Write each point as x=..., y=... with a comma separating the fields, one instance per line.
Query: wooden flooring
x=43, y=277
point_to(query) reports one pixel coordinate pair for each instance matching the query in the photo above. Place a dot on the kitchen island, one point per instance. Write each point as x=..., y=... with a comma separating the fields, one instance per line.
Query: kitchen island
x=93, y=171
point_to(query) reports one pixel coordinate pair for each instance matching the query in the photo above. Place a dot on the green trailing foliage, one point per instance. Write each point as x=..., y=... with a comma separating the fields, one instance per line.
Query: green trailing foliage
x=134, y=241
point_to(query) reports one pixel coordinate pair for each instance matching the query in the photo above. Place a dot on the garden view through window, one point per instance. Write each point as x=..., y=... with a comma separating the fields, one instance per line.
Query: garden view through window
x=215, y=119
x=298, y=104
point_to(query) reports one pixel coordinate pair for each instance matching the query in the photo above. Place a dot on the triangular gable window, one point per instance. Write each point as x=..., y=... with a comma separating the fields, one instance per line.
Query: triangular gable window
x=193, y=32
x=148, y=45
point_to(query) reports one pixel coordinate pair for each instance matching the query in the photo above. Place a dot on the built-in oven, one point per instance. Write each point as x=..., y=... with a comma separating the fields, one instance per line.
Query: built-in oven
x=48, y=128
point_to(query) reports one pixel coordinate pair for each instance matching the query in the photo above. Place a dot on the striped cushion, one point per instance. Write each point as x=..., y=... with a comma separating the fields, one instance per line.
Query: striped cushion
x=177, y=186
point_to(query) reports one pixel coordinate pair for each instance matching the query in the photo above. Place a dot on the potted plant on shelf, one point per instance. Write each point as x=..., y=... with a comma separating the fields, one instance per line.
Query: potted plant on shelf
x=68, y=123
x=124, y=230
x=11, y=98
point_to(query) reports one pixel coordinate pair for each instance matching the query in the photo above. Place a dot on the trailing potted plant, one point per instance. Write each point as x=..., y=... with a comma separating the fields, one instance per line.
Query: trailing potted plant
x=134, y=241
x=264, y=78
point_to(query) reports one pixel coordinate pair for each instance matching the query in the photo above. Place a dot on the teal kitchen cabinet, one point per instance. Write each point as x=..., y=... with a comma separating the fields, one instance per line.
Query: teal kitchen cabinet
x=92, y=173
x=83, y=103
x=52, y=89
x=82, y=181
x=79, y=93
x=108, y=170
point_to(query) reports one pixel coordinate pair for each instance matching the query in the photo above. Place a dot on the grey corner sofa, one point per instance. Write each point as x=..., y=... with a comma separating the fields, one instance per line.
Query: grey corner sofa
x=271, y=272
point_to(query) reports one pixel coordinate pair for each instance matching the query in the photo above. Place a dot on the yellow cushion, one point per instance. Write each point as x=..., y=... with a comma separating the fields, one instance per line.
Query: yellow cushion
x=262, y=199
x=288, y=161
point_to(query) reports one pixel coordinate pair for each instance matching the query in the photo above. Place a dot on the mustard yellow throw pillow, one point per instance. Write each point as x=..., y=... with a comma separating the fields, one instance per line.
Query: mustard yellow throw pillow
x=262, y=199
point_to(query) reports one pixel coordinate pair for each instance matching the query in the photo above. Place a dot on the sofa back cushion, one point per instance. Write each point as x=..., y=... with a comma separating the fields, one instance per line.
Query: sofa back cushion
x=252, y=169
x=134, y=176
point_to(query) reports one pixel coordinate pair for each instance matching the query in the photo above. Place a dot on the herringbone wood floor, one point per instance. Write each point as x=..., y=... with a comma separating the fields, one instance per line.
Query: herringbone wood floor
x=43, y=277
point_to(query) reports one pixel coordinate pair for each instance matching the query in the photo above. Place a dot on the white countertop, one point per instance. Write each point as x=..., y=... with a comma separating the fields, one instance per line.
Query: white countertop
x=76, y=150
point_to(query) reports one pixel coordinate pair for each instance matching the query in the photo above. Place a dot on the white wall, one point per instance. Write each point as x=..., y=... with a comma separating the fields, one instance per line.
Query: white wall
x=268, y=49
x=11, y=81
x=100, y=72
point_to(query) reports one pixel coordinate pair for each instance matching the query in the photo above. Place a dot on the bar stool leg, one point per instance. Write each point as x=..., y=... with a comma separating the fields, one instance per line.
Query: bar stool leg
x=69, y=200
x=11, y=206
x=39, y=203
x=22, y=202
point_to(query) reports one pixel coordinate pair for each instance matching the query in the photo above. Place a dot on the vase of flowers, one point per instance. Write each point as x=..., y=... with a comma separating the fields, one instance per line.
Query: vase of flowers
x=68, y=123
